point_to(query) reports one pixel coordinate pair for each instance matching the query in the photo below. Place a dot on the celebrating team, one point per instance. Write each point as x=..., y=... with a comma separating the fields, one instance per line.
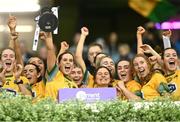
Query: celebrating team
x=145, y=77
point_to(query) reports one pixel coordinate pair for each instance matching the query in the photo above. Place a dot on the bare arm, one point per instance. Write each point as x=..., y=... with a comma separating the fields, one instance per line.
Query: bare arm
x=64, y=47
x=51, y=55
x=17, y=72
x=140, y=31
x=14, y=43
x=79, y=49
x=166, y=39
x=126, y=92
x=24, y=90
x=155, y=60
x=17, y=48
x=148, y=49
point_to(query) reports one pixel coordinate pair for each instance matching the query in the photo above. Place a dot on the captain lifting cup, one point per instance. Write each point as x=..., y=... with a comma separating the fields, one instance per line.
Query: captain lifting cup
x=47, y=21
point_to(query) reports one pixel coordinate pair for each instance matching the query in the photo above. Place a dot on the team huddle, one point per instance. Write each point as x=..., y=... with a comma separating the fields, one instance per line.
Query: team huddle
x=145, y=77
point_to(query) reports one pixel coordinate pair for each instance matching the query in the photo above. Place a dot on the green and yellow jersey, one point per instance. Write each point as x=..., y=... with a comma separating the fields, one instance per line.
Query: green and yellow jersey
x=115, y=82
x=174, y=84
x=38, y=90
x=90, y=81
x=154, y=88
x=132, y=86
x=55, y=81
x=10, y=86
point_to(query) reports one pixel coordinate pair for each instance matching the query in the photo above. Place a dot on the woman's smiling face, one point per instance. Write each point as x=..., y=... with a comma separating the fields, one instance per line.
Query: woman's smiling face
x=170, y=60
x=124, y=71
x=141, y=67
x=103, y=77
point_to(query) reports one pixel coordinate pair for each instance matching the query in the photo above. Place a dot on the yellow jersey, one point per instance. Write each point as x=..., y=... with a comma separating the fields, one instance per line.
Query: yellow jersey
x=174, y=84
x=132, y=86
x=38, y=90
x=11, y=86
x=115, y=82
x=55, y=81
x=154, y=88
x=90, y=81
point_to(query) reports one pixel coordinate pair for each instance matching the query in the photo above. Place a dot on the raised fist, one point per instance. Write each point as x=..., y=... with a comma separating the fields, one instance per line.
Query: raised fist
x=64, y=45
x=44, y=35
x=167, y=33
x=84, y=31
x=140, y=30
x=12, y=23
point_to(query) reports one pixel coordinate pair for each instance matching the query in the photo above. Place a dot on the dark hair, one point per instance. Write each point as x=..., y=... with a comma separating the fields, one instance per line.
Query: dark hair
x=128, y=60
x=44, y=62
x=8, y=48
x=167, y=49
x=37, y=69
x=95, y=44
x=130, y=64
x=111, y=77
x=61, y=55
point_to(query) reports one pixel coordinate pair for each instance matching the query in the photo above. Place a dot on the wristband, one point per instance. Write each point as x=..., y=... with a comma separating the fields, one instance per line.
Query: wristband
x=18, y=82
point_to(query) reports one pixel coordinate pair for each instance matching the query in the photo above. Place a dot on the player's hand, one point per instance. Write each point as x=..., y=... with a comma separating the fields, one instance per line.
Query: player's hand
x=17, y=71
x=140, y=30
x=84, y=31
x=12, y=22
x=119, y=92
x=146, y=48
x=167, y=33
x=2, y=73
x=153, y=60
x=45, y=35
x=64, y=46
x=121, y=85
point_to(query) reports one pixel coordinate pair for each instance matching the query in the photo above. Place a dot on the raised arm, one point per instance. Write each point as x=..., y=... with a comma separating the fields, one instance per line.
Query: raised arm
x=12, y=23
x=64, y=47
x=51, y=55
x=14, y=43
x=79, y=49
x=148, y=49
x=12, y=27
x=140, y=31
x=166, y=39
